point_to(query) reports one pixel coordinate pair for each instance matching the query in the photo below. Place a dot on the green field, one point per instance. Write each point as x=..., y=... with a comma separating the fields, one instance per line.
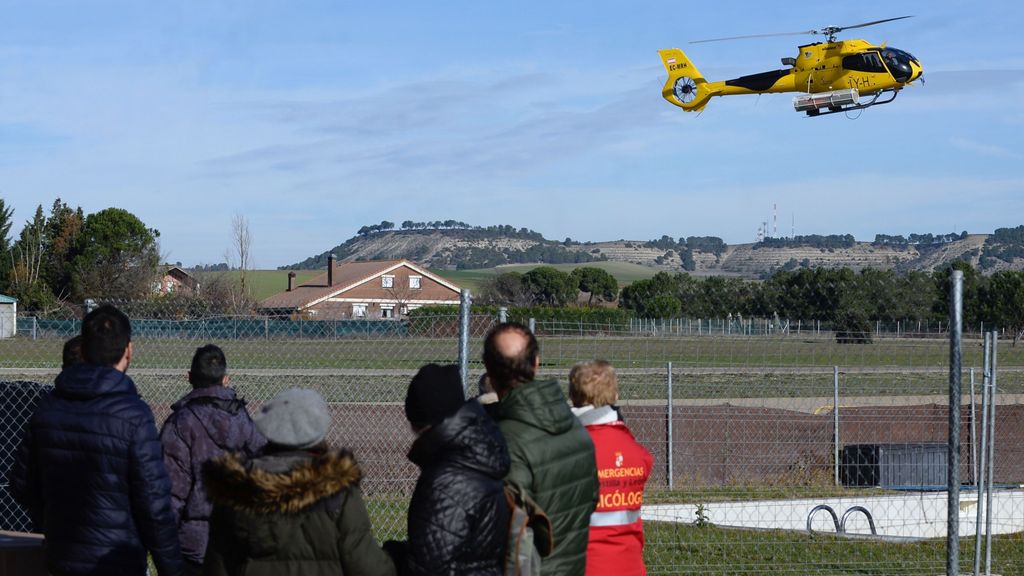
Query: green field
x=368, y=369
x=265, y=283
x=692, y=549
x=625, y=272
x=764, y=355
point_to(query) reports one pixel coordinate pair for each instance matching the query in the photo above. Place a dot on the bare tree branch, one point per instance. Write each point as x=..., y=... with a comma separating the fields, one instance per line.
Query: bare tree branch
x=242, y=244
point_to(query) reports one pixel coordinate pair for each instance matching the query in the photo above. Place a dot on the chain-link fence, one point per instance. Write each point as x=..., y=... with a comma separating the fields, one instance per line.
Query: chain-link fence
x=780, y=446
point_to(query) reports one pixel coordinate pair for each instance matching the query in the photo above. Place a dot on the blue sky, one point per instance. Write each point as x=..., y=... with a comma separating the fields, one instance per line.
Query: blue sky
x=315, y=118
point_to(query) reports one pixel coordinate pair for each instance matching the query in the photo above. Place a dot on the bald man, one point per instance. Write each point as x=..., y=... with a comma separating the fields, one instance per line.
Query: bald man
x=552, y=454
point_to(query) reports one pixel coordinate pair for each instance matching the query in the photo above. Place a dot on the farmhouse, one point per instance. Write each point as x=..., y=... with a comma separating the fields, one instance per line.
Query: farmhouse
x=174, y=280
x=373, y=289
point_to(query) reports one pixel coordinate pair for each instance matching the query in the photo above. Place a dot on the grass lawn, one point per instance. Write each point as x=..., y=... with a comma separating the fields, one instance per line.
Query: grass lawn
x=266, y=283
x=689, y=549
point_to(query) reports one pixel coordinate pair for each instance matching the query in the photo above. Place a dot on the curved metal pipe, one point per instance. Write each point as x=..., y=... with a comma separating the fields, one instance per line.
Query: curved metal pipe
x=835, y=519
x=852, y=509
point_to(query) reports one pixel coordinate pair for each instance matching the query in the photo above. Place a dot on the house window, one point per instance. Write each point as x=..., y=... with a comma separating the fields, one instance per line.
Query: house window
x=387, y=310
x=170, y=287
x=359, y=310
x=414, y=282
x=387, y=281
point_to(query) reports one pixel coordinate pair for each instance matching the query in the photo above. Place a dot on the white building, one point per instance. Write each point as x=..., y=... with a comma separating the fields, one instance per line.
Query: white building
x=8, y=316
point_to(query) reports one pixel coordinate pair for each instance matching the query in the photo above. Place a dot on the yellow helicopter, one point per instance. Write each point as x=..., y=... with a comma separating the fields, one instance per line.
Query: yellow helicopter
x=834, y=76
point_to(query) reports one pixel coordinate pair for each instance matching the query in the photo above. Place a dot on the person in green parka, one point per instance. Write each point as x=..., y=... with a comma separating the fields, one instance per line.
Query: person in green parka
x=296, y=509
x=552, y=454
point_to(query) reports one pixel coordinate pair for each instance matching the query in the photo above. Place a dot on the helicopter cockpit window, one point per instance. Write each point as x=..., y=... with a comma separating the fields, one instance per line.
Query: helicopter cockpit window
x=898, y=62
x=864, y=62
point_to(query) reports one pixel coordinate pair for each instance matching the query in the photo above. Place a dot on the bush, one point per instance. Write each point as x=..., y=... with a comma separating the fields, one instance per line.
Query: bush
x=852, y=327
x=587, y=315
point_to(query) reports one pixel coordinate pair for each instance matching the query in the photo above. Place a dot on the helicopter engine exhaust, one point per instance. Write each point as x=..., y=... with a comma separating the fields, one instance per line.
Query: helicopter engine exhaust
x=834, y=100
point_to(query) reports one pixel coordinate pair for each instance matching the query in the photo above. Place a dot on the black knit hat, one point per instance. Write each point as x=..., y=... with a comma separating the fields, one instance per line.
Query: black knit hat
x=435, y=393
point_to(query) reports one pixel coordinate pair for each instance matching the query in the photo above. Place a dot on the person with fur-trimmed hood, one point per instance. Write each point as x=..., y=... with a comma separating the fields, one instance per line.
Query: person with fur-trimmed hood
x=295, y=509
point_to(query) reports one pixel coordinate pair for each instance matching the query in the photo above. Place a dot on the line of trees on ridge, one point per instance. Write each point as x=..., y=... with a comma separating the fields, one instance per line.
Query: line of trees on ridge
x=847, y=300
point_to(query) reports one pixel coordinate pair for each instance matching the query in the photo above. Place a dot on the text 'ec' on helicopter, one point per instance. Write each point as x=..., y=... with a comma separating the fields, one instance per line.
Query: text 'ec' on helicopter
x=833, y=76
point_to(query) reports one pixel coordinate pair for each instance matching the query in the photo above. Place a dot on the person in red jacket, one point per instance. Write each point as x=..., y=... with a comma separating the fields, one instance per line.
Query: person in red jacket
x=616, y=545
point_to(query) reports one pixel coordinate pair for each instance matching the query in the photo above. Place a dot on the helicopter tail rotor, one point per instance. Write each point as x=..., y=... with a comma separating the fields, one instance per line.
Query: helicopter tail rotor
x=686, y=86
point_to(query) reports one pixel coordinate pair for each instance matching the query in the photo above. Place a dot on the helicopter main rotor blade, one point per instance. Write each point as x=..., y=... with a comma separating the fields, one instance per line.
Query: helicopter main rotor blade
x=828, y=30
x=755, y=36
x=840, y=28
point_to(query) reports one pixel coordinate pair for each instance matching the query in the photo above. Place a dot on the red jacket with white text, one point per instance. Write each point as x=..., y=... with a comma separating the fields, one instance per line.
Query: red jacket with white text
x=616, y=544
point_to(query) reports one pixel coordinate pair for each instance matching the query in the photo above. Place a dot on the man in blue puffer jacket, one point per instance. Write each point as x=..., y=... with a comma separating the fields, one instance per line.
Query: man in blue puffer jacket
x=90, y=469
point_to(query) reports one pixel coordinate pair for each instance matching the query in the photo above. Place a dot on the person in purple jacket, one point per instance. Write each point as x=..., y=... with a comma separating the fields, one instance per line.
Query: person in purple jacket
x=208, y=422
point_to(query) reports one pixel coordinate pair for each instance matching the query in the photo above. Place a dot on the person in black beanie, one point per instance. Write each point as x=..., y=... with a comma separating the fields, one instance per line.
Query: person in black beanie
x=458, y=517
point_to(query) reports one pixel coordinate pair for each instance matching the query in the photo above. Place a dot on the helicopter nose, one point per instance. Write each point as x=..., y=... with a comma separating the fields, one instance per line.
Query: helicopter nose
x=917, y=70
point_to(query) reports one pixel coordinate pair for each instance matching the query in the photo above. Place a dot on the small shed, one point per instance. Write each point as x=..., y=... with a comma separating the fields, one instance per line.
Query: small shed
x=8, y=316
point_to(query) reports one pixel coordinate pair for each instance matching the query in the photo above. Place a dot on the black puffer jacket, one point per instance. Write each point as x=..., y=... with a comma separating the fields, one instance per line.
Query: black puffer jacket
x=458, y=518
x=91, y=474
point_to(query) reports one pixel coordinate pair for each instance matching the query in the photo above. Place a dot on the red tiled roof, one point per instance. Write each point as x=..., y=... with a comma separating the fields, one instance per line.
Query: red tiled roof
x=346, y=275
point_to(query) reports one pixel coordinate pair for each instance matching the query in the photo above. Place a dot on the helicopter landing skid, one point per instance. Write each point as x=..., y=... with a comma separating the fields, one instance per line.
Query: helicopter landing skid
x=859, y=106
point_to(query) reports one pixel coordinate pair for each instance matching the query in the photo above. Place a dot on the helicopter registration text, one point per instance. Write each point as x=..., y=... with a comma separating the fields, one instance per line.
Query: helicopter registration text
x=859, y=82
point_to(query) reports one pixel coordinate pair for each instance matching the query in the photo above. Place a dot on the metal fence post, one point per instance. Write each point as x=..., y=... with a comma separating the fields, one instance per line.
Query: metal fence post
x=503, y=314
x=533, y=326
x=668, y=432
x=991, y=453
x=835, y=418
x=953, y=458
x=465, y=301
x=980, y=481
x=973, y=416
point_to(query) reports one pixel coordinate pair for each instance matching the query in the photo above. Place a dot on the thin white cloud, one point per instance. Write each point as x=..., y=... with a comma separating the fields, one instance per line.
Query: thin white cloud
x=983, y=149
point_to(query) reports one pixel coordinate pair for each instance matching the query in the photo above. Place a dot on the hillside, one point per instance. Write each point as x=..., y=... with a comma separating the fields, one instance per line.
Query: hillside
x=461, y=248
x=474, y=249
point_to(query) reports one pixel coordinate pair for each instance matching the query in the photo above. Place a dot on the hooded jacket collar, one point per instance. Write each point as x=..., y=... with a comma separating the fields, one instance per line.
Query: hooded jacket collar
x=540, y=404
x=284, y=482
x=87, y=381
x=221, y=397
x=590, y=416
x=468, y=438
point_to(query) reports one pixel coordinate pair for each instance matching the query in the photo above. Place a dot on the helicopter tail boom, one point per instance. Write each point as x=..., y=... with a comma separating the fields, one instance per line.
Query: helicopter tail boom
x=686, y=86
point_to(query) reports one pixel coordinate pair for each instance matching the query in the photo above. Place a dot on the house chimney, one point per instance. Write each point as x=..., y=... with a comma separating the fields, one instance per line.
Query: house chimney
x=330, y=269
x=291, y=278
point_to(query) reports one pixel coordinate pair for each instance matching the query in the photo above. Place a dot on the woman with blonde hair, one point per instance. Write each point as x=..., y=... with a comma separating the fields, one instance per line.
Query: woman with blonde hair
x=616, y=542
